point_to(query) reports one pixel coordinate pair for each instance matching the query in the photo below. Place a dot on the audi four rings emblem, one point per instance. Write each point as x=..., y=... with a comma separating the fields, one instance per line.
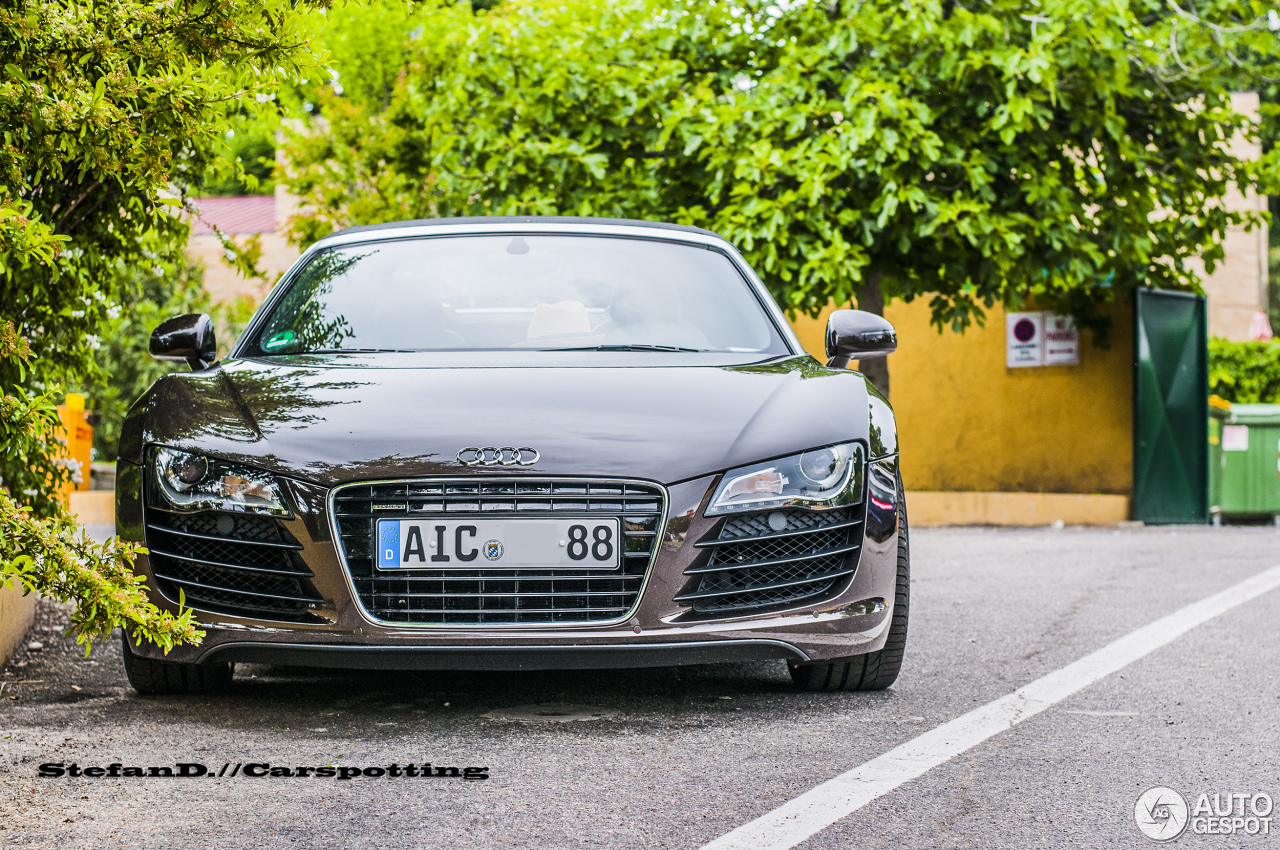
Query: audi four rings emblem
x=498, y=456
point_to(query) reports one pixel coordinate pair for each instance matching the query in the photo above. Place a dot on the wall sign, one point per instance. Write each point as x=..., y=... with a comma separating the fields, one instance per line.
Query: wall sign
x=1235, y=438
x=1024, y=339
x=1061, y=341
x=1041, y=339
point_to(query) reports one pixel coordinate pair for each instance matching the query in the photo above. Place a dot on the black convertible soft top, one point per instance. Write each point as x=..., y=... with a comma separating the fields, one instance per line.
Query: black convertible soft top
x=525, y=219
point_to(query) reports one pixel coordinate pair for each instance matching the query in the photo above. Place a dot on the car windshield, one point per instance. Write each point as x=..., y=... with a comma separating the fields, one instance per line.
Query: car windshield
x=518, y=292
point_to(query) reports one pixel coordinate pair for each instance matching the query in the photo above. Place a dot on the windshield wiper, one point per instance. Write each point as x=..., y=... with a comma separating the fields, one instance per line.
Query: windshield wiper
x=635, y=347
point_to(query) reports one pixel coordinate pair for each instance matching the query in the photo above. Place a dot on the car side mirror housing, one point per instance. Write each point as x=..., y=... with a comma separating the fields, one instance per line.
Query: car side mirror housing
x=188, y=338
x=858, y=335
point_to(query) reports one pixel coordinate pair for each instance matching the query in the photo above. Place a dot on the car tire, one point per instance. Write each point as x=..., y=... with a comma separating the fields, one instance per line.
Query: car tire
x=877, y=670
x=151, y=676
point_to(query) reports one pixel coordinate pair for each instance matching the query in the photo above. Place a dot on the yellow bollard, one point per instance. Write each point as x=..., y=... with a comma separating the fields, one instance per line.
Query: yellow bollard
x=79, y=436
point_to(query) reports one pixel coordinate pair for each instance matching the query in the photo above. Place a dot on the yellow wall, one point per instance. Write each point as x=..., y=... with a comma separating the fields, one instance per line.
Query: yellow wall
x=968, y=423
x=16, y=615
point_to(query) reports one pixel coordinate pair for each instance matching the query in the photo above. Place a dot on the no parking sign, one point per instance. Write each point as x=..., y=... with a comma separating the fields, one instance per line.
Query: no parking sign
x=1024, y=339
x=1041, y=339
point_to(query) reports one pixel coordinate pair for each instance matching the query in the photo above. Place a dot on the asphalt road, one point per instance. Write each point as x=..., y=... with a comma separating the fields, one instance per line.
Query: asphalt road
x=674, y=758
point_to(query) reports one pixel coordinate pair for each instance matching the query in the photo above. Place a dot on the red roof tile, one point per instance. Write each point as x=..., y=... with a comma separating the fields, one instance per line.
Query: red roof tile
x=245, y=214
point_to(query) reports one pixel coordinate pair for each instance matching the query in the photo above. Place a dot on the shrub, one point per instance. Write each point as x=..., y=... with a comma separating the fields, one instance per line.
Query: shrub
x=1245, y=372
x=127, y=368
x=41, y=549
x=113, y=110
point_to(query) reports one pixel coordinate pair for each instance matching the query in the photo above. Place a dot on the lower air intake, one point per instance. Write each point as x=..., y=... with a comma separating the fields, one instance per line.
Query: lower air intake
x=229, y=563
x=776, y=558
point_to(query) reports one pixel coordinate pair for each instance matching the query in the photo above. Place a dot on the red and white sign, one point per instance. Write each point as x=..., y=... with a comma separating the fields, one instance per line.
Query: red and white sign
x=1061, y=341
x=1040, y=339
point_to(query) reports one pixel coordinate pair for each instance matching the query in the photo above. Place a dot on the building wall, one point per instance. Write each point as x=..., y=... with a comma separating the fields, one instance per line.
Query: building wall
x=1237, y=289
x=968, y=423
x=223, y=282
x=16, y=615
x=1232, y=288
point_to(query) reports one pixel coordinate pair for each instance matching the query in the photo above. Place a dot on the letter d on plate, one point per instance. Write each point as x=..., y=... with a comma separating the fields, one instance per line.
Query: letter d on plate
x=388, y=544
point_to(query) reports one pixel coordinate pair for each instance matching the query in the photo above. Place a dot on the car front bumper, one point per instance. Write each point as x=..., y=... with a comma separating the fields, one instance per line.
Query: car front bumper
x=659, y=632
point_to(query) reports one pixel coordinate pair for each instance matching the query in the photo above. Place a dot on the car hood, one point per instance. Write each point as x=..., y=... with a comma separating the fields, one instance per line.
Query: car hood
x=348, y=419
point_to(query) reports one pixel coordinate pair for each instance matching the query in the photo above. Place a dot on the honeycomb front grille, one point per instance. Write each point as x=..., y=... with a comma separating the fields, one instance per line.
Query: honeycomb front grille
x=795, y=520
x=256, y=529
x=773, y=558
x=229, y=563
x=481, y=596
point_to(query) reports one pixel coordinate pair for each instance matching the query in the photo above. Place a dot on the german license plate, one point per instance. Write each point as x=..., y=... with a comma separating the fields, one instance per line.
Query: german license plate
x=456, y=544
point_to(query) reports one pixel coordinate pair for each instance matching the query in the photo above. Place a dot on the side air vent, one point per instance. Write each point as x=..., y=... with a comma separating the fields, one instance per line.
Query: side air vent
x=235, y=564
x=776, y=557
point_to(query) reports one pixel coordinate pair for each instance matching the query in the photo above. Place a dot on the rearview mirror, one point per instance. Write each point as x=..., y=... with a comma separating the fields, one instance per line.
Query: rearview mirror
x=858, y=335
x=186, y=338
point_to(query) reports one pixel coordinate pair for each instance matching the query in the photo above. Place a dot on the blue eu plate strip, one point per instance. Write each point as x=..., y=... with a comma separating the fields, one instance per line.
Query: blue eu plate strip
x=389, y=543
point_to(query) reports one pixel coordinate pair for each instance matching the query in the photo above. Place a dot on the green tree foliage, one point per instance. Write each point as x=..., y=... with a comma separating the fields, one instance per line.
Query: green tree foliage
x=1273, y=285
x=127, y=370
x=526, y=108
x=1245, y=372
x=1000, y=153
x=332, y=159
x=968, y=153
x=52, y=555
x=248, y=155
x=122, y=356
x=111, y=110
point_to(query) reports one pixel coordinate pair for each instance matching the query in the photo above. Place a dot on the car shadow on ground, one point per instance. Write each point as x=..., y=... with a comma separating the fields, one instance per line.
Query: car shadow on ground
x=387, y=702
x=60, y=677
x=484, y=692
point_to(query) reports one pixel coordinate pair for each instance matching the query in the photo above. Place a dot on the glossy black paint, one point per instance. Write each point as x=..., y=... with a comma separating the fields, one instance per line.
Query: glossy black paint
x=883, y=428
x=883, y=495
x=129, y=501
x=882, y=499
x=858, y=335
x=657, y=416
x=186, y=339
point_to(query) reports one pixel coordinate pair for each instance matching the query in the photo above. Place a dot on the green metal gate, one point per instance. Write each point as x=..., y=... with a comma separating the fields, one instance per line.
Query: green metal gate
x=1170, y=408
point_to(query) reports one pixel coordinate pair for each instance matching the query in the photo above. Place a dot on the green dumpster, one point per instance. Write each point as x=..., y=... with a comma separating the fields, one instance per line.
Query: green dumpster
x=1249, y=442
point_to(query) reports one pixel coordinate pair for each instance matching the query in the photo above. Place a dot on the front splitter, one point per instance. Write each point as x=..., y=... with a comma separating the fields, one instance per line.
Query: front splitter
x=596, y=657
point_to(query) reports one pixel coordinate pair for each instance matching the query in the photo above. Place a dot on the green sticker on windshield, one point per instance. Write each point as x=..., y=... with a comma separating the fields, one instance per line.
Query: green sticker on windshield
x=282, y=338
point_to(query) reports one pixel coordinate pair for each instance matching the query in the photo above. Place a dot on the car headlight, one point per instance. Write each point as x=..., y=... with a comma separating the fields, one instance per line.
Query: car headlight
x=191, y=482
x=819, y=478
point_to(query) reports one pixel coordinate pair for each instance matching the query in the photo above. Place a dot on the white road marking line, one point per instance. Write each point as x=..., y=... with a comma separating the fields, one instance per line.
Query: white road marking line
x=820, y=807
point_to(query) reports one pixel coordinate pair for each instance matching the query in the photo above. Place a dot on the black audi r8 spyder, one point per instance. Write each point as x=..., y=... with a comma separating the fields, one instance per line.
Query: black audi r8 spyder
x=519, y=443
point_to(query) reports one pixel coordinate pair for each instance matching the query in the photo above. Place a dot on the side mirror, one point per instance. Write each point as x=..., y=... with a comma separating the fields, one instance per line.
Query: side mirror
x=858, y=335
x=186, y=338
